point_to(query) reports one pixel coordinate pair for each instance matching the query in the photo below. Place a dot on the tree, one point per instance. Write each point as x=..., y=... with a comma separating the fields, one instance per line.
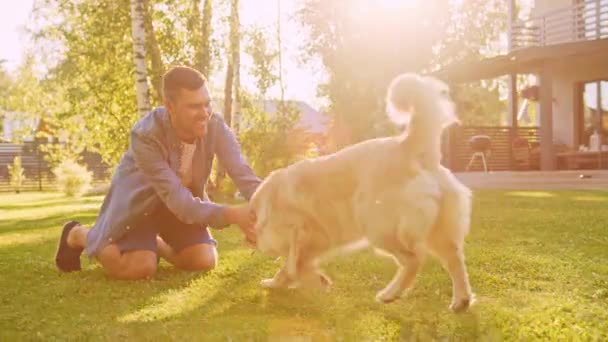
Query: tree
x=92, y=55
x=138, y=34
x=95, y=96
x=201, y=39
x=16, y=174
x=5, y=83
x=474, y=29
x=229, y=85
x=280, y=53
x=264, y=59
x=26, y=98
x=156, y=67
x=205, y=53
x=363, y=45
x=235, y=52
x=272, y=141
x=478, y=104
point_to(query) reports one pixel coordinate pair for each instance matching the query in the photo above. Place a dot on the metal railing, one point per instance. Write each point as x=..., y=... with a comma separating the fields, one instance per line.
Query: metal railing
x=586, y=20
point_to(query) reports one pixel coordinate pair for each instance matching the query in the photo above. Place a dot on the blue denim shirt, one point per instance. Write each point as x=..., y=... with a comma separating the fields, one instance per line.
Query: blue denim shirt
x=147, y=177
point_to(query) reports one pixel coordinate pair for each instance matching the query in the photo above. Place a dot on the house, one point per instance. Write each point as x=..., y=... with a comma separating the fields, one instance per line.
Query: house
x=15, y=126
x=564, y=45
x=310, y=119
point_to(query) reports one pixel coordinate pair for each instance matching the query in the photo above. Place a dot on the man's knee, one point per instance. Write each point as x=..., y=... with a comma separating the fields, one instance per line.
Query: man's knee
x=132, y=265
x=201, y=257
x=143, y=270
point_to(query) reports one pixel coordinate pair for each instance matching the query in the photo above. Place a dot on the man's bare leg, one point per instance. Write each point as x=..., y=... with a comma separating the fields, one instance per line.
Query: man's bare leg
x=131, y=265
x=141, y=264
x=77, y=238
x=199, y=257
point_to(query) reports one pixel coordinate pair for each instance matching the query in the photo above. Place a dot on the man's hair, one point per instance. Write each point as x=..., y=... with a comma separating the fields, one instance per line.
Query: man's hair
x=181, y=77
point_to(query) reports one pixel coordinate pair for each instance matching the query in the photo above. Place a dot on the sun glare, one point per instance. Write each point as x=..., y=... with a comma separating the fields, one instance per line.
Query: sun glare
x=392, y=4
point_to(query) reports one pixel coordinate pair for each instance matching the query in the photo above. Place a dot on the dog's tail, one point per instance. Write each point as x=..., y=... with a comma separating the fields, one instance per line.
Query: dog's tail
x=423, y=104
x=418, y=98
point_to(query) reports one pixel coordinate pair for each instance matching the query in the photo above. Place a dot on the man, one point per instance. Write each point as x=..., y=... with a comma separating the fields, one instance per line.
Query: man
x=157, y=203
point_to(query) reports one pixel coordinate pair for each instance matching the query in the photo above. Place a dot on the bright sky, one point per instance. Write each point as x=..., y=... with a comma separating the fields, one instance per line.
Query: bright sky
x=13, y=16
x=300, y=80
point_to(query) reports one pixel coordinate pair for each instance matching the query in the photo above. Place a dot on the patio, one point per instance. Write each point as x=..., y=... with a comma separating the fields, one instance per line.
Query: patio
x=564, y=46
x=536, y=180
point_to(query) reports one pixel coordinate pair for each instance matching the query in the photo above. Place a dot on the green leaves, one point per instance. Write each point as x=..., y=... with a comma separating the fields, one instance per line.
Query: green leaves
x=364, y=44
x=264, y=60
x=16, y=172
x=271, y=141
x=478, y=104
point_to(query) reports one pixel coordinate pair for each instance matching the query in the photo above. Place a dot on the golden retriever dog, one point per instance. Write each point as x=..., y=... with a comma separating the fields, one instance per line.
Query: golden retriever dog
x=390, y=193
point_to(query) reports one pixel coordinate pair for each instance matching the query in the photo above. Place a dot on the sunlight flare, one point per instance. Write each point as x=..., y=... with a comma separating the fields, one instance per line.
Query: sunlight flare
x=199, y=292
x=534, y=194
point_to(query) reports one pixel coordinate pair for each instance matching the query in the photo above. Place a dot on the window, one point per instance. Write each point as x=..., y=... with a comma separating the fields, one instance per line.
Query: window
x=593, y=110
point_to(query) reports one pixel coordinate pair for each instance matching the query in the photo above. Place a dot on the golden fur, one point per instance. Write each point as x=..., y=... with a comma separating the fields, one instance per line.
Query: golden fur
x=391, y=193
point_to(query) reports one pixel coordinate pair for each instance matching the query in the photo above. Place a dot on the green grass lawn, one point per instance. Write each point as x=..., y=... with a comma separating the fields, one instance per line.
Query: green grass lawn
x=538, y=262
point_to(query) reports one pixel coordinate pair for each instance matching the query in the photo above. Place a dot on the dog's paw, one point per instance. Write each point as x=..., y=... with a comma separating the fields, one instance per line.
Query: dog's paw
x=387, y=296
x=315, y=280
x=461, y=304
x=324, y=283
x=270, y=283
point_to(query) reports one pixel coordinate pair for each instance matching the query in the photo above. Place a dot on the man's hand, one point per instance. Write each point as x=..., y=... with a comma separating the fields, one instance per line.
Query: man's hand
x=244, y=217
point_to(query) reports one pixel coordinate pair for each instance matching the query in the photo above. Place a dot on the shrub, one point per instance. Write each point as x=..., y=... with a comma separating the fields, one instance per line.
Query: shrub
x=272, y=142
x=72, y=179
x=16, y=172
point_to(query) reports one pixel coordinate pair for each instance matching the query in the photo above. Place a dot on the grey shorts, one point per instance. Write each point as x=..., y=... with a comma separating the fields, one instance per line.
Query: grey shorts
x=175, y=233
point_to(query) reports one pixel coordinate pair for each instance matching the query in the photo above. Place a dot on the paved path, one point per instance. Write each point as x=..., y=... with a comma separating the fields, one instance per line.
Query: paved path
x=537, y=180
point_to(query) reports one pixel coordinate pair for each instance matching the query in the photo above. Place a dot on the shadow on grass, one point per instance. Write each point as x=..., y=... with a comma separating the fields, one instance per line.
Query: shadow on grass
x=51, y=203
x=224, y=297
x=43, y=297
x=57, y=220
x=201, y=292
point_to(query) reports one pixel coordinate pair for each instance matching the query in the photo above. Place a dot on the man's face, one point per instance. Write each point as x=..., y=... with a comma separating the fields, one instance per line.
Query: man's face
x=190, y=111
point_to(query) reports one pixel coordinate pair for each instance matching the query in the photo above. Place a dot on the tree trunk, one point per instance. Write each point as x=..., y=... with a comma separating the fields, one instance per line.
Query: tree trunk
x=221, y=173
x=280, y=53
x=230, y=77
x=203, y=55
x=152, y=46
x=194, y=30
x=228, y=94
x=139, y=57
x=235, y=36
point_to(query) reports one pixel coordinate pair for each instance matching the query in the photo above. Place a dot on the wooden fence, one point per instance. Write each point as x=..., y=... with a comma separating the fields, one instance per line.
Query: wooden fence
x=38, y=173
x=457, y=150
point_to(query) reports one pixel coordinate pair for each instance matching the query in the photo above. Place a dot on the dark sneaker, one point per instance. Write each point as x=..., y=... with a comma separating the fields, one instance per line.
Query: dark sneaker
x=67, y=258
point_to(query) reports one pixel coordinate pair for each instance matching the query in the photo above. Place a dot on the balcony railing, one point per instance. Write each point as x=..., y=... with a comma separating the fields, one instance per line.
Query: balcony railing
x=587, y=20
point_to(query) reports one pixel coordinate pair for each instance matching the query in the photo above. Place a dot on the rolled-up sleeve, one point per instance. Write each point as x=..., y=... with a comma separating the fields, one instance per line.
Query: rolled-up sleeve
x=148, y=155
x=228, y=151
